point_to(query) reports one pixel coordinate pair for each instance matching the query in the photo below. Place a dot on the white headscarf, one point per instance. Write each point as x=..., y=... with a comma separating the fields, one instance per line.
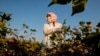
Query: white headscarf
x=51, y=14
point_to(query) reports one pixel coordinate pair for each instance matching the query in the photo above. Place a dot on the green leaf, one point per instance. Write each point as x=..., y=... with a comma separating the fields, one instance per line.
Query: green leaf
x=98, y=25
x=68, y=29
x=53, y=36
x=63, y=2
x=78, y=6
x=25, y=26
x=21, y=36
x=25, y=31
x=82, y=23
x=2, y=24
x=92, y=38
x=33, y=30
x=64, y=22
x=6, y=16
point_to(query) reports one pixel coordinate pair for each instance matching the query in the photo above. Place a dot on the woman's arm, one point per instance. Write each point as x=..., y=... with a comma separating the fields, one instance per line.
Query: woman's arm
x=47, y=29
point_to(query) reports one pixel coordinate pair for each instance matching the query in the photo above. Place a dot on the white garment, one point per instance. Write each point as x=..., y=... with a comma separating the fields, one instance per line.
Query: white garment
x=48, y=30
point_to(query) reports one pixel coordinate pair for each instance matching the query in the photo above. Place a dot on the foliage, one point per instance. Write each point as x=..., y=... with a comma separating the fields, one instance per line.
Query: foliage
x=83, y=41
x=15, y=44
x=78, y=6
x=4, y=18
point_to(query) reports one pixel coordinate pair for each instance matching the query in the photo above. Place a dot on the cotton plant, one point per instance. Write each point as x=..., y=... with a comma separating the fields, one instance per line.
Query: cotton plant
x=58, y=37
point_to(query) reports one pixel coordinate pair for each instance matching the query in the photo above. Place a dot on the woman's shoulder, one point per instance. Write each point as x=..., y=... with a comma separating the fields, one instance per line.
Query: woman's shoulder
x=58, y=23
x=46, y=25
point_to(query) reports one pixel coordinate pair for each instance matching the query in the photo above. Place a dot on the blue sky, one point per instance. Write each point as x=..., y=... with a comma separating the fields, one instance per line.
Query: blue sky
x=32, y=13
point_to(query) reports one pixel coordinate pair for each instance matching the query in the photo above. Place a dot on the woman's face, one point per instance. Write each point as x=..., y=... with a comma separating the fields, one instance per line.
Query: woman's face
x=51, y=18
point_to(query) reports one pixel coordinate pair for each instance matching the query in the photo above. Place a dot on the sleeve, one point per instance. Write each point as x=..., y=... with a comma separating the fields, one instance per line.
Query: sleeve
x=59, y=28
x=47, y=30
x=60, y=25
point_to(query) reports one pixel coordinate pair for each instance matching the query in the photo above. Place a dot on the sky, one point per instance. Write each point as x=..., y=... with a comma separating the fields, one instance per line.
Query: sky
x=33, y=12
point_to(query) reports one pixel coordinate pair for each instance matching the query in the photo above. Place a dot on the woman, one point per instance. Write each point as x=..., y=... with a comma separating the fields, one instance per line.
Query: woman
x=52, y=26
